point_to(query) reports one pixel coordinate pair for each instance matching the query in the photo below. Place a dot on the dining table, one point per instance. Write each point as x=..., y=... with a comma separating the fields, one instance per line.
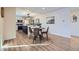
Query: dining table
x=41, y=28
x=33, y=27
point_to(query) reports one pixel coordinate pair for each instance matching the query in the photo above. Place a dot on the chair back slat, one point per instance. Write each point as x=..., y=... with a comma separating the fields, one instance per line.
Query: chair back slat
x=36, y=31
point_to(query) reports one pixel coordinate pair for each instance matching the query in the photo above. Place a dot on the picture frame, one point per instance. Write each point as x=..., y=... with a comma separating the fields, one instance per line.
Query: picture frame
x=50, y=20
x=74, y=18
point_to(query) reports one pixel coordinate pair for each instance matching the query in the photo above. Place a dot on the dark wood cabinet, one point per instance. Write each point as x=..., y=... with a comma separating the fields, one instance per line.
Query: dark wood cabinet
x=19, y=26
x=25, y=29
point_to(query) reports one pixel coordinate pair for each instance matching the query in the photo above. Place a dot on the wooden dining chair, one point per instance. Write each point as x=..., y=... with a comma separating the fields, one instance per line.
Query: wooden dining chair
x=37, y=34
x=46, y=33
x=31, y=32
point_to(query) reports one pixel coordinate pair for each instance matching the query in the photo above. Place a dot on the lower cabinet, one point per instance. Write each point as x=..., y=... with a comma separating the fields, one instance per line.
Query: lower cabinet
x=25, y=29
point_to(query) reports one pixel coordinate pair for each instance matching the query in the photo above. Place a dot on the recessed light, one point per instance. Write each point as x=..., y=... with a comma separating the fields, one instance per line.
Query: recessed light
x=43, y=8
x=27, y=10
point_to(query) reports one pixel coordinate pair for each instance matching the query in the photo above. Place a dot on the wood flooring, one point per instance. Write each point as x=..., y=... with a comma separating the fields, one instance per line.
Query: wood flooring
x=74, y=43
x=54, y=43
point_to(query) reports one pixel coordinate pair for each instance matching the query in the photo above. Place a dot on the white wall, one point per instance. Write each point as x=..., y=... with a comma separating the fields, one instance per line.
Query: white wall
x=9, y=23
x=1, y=27
x=66, y=28
x=61, y=26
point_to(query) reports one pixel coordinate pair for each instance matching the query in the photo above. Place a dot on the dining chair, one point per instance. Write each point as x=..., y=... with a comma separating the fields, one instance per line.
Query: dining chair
x=37, y=34
x=31, y=32
x=45, y=32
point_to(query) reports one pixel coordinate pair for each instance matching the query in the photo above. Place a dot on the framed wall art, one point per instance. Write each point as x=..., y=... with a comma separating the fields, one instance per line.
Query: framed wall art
x=74, y=18
x=51, y=20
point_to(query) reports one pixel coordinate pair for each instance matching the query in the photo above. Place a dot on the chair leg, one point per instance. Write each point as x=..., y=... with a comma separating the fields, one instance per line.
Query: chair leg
x=30, y=36
x=40, y=38
x=47, y=36
x=34, y=39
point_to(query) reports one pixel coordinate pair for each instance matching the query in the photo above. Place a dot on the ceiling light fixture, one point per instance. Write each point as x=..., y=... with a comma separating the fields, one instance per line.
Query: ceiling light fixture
x=43, y=8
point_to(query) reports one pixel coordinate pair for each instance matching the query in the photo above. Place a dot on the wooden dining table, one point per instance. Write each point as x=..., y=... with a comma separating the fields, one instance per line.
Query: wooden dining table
x=41, y=28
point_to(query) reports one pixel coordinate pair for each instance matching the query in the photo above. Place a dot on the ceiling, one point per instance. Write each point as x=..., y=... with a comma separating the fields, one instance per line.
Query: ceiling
x=22, y=11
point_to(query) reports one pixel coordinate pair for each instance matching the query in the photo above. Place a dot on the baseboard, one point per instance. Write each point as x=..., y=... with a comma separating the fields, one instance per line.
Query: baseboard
x=10, y=37
x=75, y=36
x=67, y=37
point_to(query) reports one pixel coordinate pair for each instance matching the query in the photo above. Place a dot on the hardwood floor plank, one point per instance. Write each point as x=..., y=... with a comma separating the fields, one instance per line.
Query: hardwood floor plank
x=55, y=43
